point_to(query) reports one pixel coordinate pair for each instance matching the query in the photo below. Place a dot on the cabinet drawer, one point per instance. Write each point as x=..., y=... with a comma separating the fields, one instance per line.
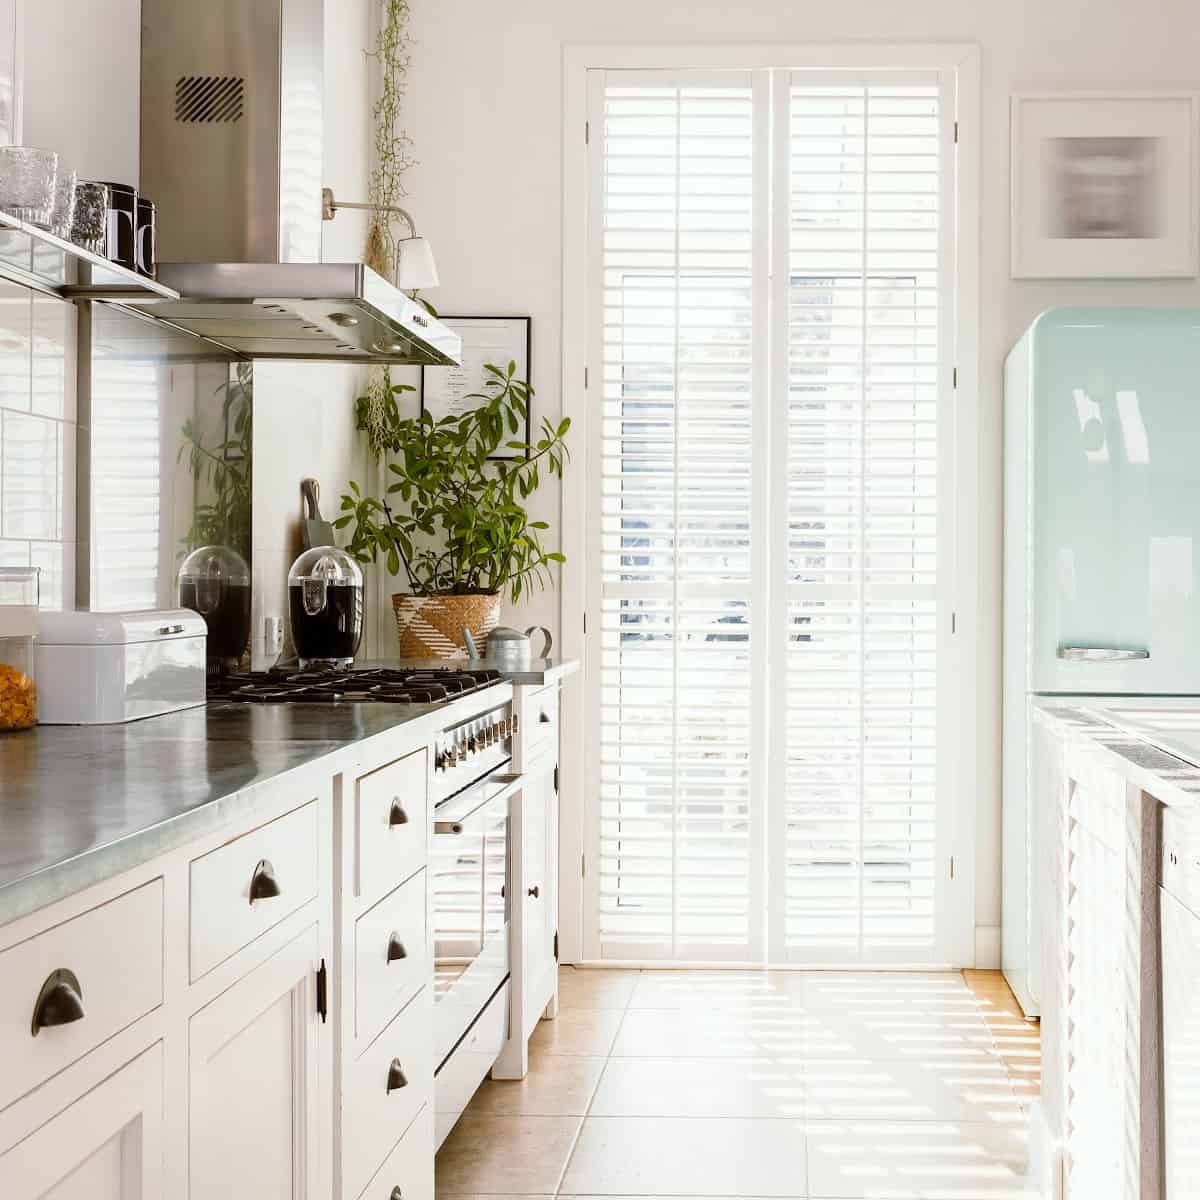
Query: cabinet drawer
x=468, y=1066
x=539, y=732
x=408, y=1171
x=393, y=817
x=111, y=1133
x=241, y=889
x=115, y=955
x=390, y=956
x=384, y=1089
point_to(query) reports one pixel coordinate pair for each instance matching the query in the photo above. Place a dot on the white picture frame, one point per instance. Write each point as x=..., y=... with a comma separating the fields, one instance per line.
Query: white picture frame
x=446, y=391
x=1103, y=185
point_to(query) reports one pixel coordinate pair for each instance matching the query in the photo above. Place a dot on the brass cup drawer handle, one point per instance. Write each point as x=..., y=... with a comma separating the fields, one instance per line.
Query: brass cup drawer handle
x=397, y=816
x=263, y=884
x=395, y=950
x=60, y=1002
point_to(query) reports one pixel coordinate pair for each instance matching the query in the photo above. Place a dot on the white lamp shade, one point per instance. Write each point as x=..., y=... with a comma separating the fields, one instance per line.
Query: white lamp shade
x=415, y=267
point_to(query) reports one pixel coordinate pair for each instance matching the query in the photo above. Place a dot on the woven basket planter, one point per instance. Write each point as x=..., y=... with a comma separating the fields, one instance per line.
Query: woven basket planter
x=431, y=626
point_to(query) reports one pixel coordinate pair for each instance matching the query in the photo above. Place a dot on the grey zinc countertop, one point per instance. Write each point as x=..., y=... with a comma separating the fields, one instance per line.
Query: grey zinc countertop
x=79, y=804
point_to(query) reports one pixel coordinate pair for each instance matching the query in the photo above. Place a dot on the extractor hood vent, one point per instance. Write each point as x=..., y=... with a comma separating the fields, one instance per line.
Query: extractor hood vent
x=206, y=98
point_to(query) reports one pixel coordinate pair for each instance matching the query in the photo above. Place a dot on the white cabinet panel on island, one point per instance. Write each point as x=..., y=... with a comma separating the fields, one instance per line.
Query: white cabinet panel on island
x=256, y=1108
x=108, y=1145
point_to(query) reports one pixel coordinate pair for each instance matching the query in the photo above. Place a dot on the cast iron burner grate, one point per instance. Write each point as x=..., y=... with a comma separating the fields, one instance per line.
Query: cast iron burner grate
x=386, y=685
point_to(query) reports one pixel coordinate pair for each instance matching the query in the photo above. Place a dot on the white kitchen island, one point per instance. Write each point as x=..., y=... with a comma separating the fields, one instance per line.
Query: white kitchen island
x=218, y=952
x=1107, y=774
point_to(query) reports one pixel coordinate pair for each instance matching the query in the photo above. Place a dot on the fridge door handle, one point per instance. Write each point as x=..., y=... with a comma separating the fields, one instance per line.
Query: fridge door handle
x=1101, y=653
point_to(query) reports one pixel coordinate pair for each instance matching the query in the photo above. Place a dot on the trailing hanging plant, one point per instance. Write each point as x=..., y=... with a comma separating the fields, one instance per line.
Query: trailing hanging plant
x=393, y=156
x=463, y=527
x=393, y=146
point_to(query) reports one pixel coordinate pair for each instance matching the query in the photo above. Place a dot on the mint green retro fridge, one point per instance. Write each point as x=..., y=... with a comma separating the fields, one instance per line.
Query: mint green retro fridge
x=1101, y=545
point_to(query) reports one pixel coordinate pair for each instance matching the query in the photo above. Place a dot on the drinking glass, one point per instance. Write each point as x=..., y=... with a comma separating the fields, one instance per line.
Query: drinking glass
x=88, y=229
x=63, y=213
x=27, y=179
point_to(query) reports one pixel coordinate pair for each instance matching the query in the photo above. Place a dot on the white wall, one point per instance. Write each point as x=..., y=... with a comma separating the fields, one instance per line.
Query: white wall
x=485, y=109
x=82, y=67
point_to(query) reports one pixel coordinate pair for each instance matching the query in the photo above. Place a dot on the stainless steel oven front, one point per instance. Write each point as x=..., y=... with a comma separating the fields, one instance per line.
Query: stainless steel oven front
x=470, y=875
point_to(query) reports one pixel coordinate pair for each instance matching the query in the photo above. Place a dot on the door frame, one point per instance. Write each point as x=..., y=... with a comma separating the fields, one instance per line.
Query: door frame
x=582, y=68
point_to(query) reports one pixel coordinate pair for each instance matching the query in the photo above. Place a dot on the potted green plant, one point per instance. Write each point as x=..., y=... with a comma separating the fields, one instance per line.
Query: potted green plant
x=460, y=534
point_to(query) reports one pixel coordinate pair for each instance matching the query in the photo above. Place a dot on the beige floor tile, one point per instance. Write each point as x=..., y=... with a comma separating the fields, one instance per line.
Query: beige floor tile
x=558, y=1085
x=588, y=1031
x=949, y=1160
x=666, y=1156
x=504, y=1155
x=699, y=1087
x=696, y=1033
x=870, y=1089
x=595, y=988
x=726, y=991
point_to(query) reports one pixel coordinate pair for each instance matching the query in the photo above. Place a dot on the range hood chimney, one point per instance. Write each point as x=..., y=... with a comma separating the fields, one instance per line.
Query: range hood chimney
x=231, y=153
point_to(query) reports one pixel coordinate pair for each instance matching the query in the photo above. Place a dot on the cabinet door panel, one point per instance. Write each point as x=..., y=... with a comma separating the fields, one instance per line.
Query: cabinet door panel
x=540, y=841
x=105, y=1146
x=253, y=1082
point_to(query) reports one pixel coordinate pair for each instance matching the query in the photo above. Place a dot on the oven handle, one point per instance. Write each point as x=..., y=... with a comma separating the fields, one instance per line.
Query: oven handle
x=451, y=818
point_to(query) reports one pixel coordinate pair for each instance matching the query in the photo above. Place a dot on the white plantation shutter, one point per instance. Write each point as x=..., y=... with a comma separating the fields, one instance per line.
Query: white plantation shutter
x=674, y=510
x=862, y=258
x=815, y=615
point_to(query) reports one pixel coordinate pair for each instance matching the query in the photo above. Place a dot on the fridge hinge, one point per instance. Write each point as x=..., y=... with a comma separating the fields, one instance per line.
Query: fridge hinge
x=954, y=622
x=585, y=378
x=556, y=780
x=956, y=133
x=585, y=622
x=322, y=992
x=583, y=866
x=587, y=133
x=952, y=866
x=954, y=378
x=556, y=945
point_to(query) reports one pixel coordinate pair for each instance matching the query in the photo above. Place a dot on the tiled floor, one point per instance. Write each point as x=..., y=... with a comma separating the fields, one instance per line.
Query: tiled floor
x=755, y=1083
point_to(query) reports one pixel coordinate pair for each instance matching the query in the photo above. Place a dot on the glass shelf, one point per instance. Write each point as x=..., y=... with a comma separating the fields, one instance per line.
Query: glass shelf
x=37, y=258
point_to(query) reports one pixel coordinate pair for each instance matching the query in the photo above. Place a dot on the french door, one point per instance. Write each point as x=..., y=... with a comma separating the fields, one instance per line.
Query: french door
x=770, y=501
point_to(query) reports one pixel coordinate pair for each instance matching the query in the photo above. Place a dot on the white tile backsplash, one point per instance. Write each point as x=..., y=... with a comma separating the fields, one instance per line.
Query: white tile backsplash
x=16, y=317
x=31, y=484
x=38, y=439
x=53, y=341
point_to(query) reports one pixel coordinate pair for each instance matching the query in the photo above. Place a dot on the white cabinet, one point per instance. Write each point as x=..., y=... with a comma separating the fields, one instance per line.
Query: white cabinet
x=107, y=1145
x=534, y=952
x=1107, y=1030
x=539, y=853
x=256, y=1116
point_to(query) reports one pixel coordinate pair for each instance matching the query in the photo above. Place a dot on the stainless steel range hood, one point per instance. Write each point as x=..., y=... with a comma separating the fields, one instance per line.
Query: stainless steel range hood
x=231, y=153
x=341, y=312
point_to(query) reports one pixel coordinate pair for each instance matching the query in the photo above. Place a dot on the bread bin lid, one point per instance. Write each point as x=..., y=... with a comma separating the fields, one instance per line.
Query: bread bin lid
x=119, y=628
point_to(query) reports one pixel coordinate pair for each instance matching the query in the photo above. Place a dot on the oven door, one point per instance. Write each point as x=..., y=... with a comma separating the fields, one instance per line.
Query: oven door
x=470, y=865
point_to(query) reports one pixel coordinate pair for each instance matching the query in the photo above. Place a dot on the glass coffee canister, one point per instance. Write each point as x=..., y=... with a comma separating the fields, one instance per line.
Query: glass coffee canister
x=18, y=633
x=325, y=606
x=214, y=581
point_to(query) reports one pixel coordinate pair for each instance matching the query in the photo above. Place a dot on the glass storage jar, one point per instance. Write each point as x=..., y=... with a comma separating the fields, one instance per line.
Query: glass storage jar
x=18, y=631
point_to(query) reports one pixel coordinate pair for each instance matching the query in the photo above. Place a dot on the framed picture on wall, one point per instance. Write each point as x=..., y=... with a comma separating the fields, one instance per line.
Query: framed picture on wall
x=446, y=391
x=1104, y=185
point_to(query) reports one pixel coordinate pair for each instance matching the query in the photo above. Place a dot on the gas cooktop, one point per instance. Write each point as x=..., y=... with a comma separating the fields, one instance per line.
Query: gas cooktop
x=378, y=684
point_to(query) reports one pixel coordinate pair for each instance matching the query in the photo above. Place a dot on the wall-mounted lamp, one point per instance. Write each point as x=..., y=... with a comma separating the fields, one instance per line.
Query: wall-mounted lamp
x=415, y=267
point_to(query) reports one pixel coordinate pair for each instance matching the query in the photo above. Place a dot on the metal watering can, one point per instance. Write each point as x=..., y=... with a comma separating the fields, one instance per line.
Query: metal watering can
x=510, y=649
